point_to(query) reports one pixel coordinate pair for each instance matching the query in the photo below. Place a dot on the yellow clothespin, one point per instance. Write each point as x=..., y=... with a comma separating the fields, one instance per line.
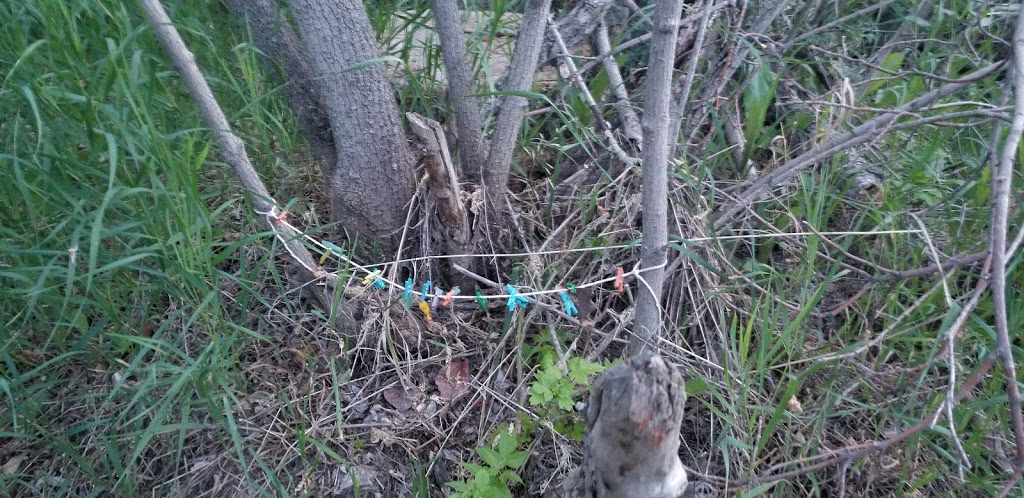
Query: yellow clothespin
x=425, y=308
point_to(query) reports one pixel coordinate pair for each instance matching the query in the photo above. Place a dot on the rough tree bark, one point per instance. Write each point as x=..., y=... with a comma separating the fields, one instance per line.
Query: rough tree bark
x=632, y=442
x=372, y=180
x=655, y=124
x=276, y=38
x=510, y=118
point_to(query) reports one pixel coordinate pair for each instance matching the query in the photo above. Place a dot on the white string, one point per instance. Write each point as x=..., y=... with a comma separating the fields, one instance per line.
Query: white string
x=273, y=214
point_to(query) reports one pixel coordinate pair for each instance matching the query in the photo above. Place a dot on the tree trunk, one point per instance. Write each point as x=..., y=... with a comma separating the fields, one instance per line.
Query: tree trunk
x=276, y=38
x=632, y=442
x=372, y=180
x=513, y=107
x=657, y=105
x=472, y=151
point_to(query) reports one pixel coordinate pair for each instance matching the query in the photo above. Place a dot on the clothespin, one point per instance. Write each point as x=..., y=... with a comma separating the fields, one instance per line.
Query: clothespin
x=448, y=297
x=407, y=293
x=425, y=308
x=371, y=277
x=514, y=299
x=378, y=282
x=481, y=301
x=620, y=280
x=424, y=290
x=329, y=249
x=438, y=294
x=570, y=307
x=572, y=287
x=279, y=218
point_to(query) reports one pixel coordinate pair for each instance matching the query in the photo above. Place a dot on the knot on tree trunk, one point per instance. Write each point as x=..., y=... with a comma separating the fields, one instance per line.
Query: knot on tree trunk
x=632, y=440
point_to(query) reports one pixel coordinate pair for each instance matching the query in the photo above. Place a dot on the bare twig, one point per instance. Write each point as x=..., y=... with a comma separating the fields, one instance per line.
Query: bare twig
x=1002, y=179
x=658, y=106
x=602, y=125
x=617, y=89
x=683, y=96
x=838, y=22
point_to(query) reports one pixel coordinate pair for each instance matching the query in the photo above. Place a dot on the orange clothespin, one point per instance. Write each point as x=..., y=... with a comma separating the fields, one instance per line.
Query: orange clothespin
x=280, y=217
x=447, y=301
x=425, y=308
x=620, y=280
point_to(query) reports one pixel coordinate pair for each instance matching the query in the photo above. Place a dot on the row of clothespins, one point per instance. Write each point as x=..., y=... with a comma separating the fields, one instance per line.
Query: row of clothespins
x=514, y=298
x=374, y=277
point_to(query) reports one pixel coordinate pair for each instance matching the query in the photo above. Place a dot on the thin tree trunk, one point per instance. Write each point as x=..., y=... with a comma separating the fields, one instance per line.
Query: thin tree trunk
x=655, y=124
x=276, y=38
x=460, y=84
x=510, y=118
x=373, y=179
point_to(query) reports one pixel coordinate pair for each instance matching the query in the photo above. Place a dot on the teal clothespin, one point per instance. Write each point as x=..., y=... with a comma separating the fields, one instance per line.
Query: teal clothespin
x=425, y=290
x=407, y=293
x=570, y=307
x=514, y=299
x=333, y=248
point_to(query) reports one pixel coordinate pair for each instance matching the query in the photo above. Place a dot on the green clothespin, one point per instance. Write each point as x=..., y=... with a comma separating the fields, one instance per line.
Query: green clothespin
x=481, y=301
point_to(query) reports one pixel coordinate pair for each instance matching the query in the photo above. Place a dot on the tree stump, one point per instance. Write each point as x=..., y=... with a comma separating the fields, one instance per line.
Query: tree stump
x=632, y=438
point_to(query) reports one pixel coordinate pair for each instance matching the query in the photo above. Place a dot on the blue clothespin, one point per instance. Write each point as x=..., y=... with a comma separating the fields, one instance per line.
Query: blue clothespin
x=407, y=293
x=378, y=282
x=570, y=308
x=425, y=290
x=514, y=299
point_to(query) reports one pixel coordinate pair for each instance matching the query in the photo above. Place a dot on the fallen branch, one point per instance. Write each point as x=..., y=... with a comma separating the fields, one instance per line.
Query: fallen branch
x=862, y=134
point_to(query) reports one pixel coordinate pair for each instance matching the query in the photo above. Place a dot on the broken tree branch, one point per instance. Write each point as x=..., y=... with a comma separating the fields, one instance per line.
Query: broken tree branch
x=864, y=133
x=632, y=442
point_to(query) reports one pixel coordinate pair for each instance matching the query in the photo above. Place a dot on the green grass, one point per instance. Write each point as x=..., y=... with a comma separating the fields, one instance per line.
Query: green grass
x=146, y=322
x=119, y=350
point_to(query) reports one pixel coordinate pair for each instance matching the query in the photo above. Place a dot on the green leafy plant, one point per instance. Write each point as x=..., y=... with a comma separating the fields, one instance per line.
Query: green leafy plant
x=552, y=390
x=501, y=460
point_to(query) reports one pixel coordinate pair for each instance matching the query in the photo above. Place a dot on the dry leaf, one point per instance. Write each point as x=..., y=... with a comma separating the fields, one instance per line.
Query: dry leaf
x=453, y=379
x=398, y=398
x=12, y=465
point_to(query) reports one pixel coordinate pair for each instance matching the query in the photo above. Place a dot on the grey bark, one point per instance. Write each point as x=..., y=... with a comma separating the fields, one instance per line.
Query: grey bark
x=276, y=38
x=655, y=124
x=510, y=118
x=632, y=441
x=575, y=27
x=460, y=84
x=617, y=89
x=373, y=179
